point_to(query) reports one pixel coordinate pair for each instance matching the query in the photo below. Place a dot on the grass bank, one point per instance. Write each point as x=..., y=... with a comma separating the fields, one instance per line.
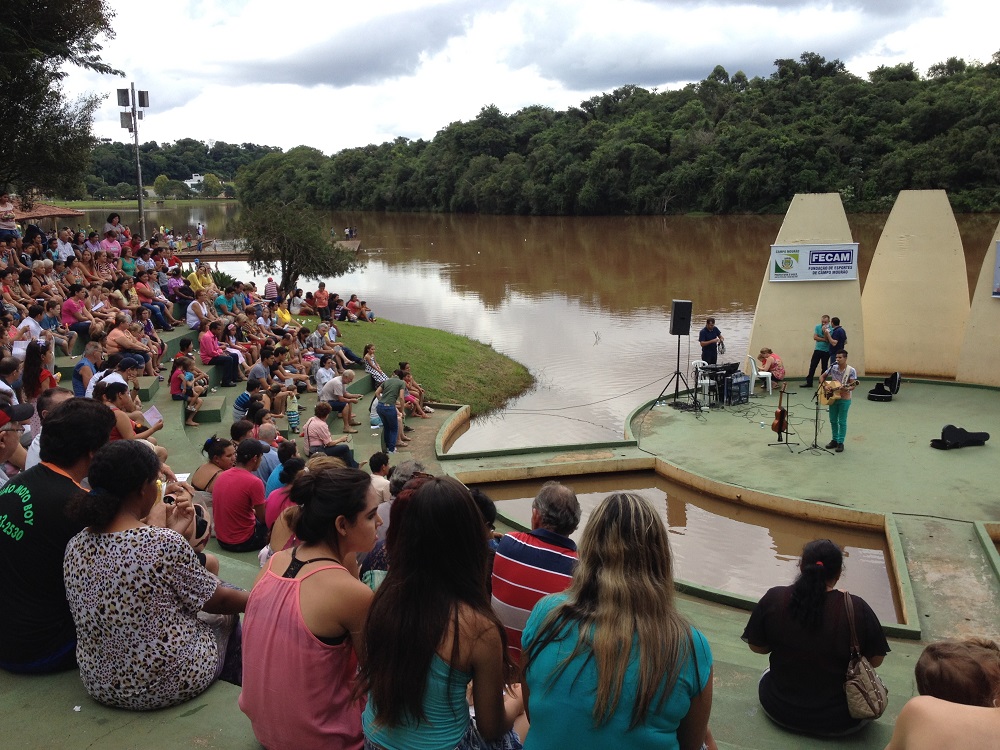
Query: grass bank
x=453, y=369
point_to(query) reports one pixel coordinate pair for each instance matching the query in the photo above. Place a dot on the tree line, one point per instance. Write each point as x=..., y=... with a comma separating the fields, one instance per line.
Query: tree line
x=166, y=166
x=727, y=144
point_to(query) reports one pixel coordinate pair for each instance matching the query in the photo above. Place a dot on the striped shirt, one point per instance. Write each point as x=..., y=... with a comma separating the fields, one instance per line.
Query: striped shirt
x=527, y=567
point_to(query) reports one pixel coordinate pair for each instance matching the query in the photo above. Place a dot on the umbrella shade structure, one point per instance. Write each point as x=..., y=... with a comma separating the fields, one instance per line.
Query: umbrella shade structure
x=43, y=211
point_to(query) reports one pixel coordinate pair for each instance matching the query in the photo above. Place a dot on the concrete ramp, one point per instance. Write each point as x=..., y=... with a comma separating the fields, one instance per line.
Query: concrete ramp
x=916, y=299
x=979, y=359
x=787, y=312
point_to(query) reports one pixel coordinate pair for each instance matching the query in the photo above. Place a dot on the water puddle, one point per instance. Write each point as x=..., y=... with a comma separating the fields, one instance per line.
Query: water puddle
x=715, y=543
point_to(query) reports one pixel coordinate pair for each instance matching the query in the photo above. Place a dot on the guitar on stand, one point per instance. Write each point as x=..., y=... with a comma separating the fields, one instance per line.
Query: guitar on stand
x=780, y=423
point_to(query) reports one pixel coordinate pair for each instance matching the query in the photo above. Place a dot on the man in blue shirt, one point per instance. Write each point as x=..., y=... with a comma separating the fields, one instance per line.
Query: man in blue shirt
x=710, y=338
x=836, y=337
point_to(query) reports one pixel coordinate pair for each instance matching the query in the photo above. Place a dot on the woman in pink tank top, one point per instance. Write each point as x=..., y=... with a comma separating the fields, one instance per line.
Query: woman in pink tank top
x=302, y=630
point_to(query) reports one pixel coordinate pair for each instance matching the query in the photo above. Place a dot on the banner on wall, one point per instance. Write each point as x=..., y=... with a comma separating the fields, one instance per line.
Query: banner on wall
x=836, y=262
x=996, y=271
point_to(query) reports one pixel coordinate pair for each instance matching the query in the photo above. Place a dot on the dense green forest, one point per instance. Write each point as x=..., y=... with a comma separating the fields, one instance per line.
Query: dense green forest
x=726, y=144
x=112, y=164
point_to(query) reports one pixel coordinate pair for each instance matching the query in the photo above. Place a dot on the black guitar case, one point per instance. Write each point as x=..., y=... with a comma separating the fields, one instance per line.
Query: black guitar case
x=957, y=437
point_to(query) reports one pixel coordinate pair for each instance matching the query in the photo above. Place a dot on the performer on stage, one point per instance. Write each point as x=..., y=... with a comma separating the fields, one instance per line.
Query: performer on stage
x=847, y=376
x=710, y=338
x=836, y=337
x=821, y=354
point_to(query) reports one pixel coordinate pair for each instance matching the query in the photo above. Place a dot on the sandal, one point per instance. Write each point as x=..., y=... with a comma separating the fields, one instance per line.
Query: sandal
x=350, y=432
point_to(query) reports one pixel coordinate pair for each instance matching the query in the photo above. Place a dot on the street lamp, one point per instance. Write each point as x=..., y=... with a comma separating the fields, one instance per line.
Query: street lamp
x=130, y=121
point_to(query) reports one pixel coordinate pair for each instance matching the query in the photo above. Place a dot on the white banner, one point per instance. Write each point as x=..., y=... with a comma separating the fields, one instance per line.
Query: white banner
x=837, y=262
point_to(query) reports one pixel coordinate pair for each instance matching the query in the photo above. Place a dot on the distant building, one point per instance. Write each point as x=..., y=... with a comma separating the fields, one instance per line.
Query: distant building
x=195, y=182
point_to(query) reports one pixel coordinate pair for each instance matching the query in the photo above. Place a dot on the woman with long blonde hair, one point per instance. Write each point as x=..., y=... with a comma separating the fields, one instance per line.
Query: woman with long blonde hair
x=610, y=662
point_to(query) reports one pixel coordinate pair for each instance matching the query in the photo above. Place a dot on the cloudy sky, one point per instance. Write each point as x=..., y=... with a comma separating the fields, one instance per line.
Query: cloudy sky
x=340, y=74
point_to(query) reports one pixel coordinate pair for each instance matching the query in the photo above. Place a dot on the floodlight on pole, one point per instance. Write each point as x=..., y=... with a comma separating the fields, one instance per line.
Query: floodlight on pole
x=130, y=121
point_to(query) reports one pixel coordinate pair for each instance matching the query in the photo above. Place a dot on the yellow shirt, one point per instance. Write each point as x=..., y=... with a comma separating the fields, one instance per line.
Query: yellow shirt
x=196, y=285
x=284, y=317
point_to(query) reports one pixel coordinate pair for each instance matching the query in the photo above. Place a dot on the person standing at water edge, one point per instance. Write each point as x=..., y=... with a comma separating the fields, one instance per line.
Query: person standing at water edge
x=710, y=338
x=821, y=353
x=847, y=376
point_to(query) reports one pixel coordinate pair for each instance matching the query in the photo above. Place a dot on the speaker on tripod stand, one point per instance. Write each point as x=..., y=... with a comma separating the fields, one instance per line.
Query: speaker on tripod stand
x=680, y=325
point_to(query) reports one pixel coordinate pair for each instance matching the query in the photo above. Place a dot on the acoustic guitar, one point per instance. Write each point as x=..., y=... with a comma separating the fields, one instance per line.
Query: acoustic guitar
x=780, y=423
x=829, y=390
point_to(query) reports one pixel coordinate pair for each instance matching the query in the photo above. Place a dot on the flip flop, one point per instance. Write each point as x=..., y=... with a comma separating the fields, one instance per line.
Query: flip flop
x=350, y=432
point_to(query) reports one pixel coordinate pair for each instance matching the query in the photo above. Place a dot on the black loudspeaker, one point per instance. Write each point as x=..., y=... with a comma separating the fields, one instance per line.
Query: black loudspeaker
x=680, y=317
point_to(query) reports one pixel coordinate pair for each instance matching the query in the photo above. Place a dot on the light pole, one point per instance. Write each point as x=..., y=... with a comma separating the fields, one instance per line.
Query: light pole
x=130, y=121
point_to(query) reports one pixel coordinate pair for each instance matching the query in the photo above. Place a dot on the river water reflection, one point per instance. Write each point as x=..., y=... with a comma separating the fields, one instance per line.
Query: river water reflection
x=721, y=545
x=583, y=302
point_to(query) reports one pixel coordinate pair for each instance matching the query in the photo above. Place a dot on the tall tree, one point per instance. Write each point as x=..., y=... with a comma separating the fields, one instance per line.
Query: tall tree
x=289, y=238
x=48, y=138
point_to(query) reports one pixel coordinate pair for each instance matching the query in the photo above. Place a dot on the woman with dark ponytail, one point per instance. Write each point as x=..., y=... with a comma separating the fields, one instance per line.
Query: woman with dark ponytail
x=135, y=588
x=806, y=631
x=304, y=621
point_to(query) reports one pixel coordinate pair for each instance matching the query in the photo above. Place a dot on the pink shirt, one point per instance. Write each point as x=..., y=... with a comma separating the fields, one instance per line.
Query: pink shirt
x=277, y=501
x=235, y=493
x=316, y=432
x=208, y=347
x=69, y=309
x=297, y=690
x=112, y=247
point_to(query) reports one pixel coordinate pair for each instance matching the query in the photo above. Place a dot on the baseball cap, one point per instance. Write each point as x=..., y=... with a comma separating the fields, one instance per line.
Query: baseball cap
x=16, y=413
x=128, y=363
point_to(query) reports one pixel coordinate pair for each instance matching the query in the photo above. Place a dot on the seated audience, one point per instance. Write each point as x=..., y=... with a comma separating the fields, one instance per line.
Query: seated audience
x=610, y=662
x=238, y=501
x=529, y=565
x=431, y=630
x=809, y=617
x=151, y=650
x=341, y=400
x=286, y=449
x=963, y=671
x=221, y=454
x=318, y=439
x=37, y=634
x=303, y=632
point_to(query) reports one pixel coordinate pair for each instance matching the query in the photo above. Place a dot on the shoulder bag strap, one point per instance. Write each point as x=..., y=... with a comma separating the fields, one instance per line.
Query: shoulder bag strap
x=850, y=618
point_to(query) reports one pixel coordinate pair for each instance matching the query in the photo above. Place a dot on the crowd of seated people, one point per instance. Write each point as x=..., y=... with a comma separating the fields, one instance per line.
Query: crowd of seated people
x=579, y=646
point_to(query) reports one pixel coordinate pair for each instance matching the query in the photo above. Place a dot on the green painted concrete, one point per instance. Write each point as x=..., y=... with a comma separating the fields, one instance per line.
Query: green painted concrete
x=935, y=497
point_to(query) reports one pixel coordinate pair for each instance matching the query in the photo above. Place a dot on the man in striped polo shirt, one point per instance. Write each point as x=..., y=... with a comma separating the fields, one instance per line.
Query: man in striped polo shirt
x=531, y=565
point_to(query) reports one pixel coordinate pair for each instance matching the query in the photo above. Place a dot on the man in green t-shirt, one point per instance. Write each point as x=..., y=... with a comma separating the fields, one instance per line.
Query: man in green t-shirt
x=821, y=354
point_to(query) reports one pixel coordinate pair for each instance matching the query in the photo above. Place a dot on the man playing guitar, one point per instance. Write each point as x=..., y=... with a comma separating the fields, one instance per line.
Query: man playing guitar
x=835, y=391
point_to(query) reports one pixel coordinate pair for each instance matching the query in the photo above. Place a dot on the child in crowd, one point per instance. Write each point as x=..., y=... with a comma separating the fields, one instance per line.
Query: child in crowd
x=183, y=388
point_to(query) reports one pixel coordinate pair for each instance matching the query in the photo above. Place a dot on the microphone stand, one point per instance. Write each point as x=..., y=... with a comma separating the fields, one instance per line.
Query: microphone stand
x=815, y=443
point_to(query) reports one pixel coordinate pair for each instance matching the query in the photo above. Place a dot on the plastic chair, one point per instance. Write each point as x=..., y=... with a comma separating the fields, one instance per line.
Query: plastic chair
x=703, y=382
x=757, y=374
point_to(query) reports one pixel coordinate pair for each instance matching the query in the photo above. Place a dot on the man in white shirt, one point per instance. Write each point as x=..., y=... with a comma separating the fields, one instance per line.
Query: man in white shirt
x=65, y=248
x=32, y=322
x=335, y=393
x=48, y=401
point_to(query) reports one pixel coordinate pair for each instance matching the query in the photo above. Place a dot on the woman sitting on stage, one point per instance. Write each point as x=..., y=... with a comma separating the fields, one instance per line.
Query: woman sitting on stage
x=771, y=362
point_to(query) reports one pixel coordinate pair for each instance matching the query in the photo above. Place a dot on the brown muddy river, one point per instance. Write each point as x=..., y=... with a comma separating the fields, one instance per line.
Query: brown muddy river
x=583, y=302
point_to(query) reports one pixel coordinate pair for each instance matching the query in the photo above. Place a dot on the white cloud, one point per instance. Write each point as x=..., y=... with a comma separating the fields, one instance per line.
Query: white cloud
x=336, y=75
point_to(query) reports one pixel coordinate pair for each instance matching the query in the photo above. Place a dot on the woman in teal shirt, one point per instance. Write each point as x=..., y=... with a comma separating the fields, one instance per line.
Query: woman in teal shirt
x=431, y=631
x=618, y=612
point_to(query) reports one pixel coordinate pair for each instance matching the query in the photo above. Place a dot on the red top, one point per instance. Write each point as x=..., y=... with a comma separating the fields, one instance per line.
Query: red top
x=235, y=493
x=321, y=298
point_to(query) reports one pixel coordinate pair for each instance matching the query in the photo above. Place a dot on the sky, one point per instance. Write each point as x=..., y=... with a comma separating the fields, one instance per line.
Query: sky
x=337, y=75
